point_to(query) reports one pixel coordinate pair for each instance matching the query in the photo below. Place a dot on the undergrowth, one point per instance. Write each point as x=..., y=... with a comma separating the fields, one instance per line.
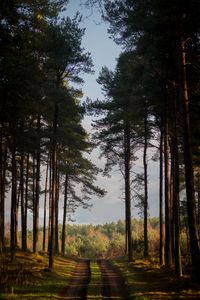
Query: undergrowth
x=36, y=281
x=147, y=280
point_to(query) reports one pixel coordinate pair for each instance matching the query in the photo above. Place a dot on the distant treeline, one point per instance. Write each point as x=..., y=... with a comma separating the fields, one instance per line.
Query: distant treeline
x=107, y=240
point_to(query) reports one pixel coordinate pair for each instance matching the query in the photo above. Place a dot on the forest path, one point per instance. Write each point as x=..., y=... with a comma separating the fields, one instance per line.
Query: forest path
x=113, y=286
x=77, y=288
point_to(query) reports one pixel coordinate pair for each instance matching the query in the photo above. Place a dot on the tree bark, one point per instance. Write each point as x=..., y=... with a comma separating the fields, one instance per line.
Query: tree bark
x=56, y=213
x=50, y=192
x=23, y=229
x=64, y=215
x=176, y=200
x=146, y=251
x=176, y=184
x=3, y=165
x=168, y=238
x=53, y=196
x=198, y=208
x=162, y=248
x=1, y=195
x=26, y=200
x=189, y=175
x=37, y=190
x=127, y=158
x=33, y=192
x=13, y=202
x=45, y=205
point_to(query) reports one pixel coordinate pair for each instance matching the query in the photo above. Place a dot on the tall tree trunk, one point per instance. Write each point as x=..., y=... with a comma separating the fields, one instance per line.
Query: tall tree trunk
x=33, y=192
x=13, y=202
x=1, y=195
x=189, y=175
x=3, y=165
x=172, y=190
x=127, y=158
x=56, y=213
x=23, y=229
x=198, y=208
x=176, y=195
x=17, y=216
x=64, y=215
x=162, y=248
x=50, y=198
x=53, y=196
x=168, y=238
x=146, y=251
x=176, y=199
x=45, y=205
x=26, y=200
x=37, y=190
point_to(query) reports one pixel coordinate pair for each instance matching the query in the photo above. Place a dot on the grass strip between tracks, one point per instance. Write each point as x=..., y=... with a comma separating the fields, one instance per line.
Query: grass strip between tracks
x=94, y=287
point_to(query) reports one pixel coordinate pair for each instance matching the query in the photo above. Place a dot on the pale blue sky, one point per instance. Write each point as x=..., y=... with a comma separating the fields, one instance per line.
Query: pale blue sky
x=104, y=53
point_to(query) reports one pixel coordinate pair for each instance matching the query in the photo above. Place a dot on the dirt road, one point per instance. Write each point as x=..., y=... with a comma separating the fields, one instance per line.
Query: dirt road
x=112, y=284
x=80, y=280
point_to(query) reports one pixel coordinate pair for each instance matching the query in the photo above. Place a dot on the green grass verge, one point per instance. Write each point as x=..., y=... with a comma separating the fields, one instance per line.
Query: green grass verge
x=146, y=280
x=41, y=284
x=94, y=287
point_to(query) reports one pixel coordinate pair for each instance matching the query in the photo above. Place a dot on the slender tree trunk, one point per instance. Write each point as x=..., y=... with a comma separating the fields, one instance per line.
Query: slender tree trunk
x=172, y=190
x=198, y=209
x=189, y=175
x=146, y=251
x=64, y=215
x=26, y=201
x=50, y=193
x=178, y=263
x=56, y=213
x=17, y=216
x=45, y=205
x=33, y=192
x=127, y=158
x=3, y=165
x=1, y=195
x=37, y=191
x=13, y=202
x=162, y=248
x=53, y=198
x=168, y=238
x=176, y=196
x=23, y=229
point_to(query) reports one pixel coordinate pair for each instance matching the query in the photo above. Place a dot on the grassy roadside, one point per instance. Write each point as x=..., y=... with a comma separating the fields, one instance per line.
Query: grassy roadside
x=94, y=287
x=146, y=280
x=36, y=282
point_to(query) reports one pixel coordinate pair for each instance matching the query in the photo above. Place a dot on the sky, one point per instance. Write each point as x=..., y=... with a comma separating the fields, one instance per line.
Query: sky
x=104, y=52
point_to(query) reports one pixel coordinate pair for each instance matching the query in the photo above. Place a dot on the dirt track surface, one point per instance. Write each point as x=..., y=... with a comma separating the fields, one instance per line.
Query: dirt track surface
x=78, y=286
x=113, y=286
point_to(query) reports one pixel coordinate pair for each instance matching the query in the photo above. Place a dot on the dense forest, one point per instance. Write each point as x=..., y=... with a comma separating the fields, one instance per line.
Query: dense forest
x=151, y=99
x=107, y=240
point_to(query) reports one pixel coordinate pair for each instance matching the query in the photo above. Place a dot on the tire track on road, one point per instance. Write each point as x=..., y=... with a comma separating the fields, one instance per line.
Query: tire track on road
x=113, y=286
x=77, y=288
